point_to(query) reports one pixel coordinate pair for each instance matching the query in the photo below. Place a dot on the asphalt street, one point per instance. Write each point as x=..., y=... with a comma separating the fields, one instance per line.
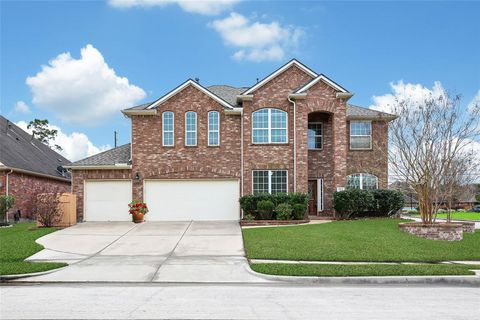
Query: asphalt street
x=237, y=301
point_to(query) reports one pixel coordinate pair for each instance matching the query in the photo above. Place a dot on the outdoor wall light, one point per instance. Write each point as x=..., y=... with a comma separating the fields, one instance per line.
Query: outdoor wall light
x=137, y=177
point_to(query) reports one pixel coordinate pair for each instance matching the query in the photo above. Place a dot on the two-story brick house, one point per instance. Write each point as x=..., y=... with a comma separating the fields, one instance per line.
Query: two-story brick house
x=197, y=149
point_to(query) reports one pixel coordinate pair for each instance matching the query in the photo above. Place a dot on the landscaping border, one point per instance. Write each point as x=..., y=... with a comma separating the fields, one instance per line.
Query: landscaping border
x=245, y=223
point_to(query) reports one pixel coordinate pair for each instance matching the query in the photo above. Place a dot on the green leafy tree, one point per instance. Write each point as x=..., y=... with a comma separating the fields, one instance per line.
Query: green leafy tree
x=42, y=132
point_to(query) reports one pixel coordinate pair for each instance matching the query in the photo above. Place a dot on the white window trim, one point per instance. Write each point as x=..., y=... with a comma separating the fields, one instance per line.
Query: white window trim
x=361, y=174
x=321, y=124
x=196, y=129
x=163, y=129
x=270, y=173
x=370, y=135
x=269, y=127
x=217, y=131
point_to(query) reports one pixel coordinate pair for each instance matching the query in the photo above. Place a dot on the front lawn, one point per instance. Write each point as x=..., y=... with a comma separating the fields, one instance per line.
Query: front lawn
x=457, y=215
x=358, y=240
x=335, y=270
x=18, y=243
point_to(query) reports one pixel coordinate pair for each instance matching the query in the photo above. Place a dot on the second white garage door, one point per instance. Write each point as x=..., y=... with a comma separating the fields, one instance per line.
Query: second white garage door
x=180, y=200
x=107, y=200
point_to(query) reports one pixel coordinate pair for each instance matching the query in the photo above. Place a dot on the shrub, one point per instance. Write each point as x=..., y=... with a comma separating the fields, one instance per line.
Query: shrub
x=249, y=203
x=47, y=209
x=461, y=210
x=386, y=202
x=265, y=209
x=441, y=211
x=248, y=217
x=6, y=203
x=352, y=202
x=284, y=211
x=299, y=210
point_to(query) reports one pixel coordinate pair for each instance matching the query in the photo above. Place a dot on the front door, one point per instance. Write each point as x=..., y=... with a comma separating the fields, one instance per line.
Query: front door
x=312, y=202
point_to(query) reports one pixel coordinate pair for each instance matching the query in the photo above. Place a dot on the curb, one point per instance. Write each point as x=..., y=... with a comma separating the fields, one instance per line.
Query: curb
x=448, y=280
x=8, y=277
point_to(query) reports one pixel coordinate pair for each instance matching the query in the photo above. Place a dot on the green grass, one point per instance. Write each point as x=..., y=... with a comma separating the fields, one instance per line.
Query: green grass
x=359, y=240
x=457, y=216
x=332, y=270
x=18, y=243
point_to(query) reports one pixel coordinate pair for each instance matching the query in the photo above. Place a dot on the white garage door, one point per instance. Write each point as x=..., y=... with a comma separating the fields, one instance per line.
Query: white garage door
x=107, y=200
x=180, y=200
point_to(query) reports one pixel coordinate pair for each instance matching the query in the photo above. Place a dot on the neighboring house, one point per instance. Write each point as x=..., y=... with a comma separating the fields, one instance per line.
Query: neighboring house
x=197, y=149
x=28, y=167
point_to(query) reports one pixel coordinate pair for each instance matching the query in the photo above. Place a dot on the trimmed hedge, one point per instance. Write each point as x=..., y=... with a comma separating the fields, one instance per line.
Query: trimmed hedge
x=249, y=203
x=367, y=203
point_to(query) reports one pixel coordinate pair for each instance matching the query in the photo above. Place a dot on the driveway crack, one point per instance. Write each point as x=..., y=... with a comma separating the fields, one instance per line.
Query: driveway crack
x=173, y=250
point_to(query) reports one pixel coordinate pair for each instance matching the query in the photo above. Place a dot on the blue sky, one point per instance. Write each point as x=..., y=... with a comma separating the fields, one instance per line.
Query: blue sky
x=364, y=46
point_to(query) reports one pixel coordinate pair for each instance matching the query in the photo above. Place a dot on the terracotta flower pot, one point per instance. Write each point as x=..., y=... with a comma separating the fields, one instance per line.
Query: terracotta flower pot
x=137, y=217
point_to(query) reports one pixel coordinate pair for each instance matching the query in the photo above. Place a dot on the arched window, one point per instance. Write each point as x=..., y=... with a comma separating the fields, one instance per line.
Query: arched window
x=190, y=128
x=168, y=129
x=364, y=181
x=213, y=128
x=269, y=126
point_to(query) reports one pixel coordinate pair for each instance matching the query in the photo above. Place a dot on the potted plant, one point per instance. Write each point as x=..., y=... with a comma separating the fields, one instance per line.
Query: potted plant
x=137, y=209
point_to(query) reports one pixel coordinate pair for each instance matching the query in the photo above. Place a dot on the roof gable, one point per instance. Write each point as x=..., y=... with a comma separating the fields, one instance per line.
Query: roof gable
x=292, y=62
x=20, y=150
x=187, y=83
x=324, y=79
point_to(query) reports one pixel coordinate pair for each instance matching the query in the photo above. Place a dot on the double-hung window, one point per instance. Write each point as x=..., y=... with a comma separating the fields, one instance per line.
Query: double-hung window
x=360, y=135
x=315, y=135
x=269, y=126
x=167, y=129
x=213, y=128
x=269, y=181
x=190, y=128
x=364, y=181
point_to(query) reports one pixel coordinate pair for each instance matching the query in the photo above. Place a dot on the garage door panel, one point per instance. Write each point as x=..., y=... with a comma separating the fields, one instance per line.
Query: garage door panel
x=107, y=200
x=192, y=200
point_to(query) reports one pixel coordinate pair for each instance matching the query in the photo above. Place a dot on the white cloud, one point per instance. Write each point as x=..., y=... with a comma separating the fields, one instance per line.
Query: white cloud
x=83, y=90
x=415, y=93
x=21, y=107
x=205, y=7
x=256, y=41
x=75, y=146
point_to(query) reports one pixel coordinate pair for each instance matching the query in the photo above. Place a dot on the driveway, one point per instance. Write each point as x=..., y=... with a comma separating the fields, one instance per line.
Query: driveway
x=147, y=252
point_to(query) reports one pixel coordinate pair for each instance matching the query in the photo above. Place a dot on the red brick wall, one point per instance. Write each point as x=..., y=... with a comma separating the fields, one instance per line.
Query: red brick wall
x=25, y=189
x=153, y=161
x=273, y=94
x=373, y=161
x=79, y=177
x=329, y=163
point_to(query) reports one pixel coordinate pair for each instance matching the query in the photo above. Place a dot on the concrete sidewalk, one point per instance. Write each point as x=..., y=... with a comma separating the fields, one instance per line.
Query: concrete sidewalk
x=147, y=252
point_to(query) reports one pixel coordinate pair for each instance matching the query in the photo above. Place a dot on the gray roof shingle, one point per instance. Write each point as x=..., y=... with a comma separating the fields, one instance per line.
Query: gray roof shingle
x=18, y=149
x=227, y=93
x=113, y=156
x=366, y=113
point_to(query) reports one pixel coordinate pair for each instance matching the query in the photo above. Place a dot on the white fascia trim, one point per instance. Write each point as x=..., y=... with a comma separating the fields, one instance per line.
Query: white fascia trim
x=140, y=112
x=234, y=111
x=324, y=79
x=37, y=174
x=344, y=95
x=118, y=166
x=273, y=75
x=183, y=86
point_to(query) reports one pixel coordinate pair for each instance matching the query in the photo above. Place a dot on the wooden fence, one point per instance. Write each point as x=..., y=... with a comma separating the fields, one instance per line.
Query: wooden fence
x=68, y=211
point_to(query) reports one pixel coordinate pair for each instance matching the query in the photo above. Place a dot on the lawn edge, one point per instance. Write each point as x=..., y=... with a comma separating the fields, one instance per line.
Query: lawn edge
x=473, y=280
x=8, y=277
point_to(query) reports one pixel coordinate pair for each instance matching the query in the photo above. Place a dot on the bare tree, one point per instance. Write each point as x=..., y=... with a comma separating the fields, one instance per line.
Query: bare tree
x=458, y=179
x=429, y=144
x=47, y=208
